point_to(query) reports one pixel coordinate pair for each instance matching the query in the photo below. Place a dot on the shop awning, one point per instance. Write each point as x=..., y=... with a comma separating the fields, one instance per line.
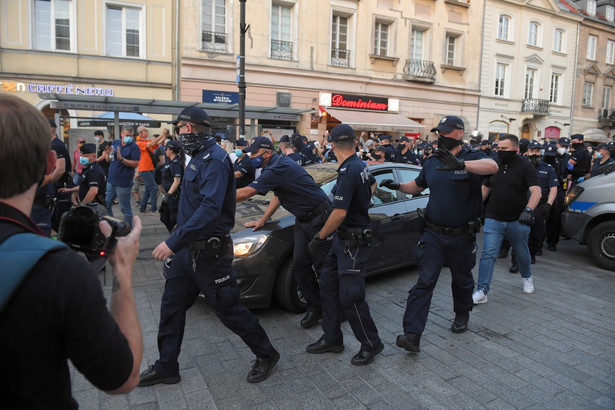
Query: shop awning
x=595, y=135
x=107, y=119
x=374, y=121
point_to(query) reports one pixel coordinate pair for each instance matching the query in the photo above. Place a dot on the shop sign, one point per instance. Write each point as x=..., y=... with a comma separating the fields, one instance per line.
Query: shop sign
x=498, y=126
x=220, y=97
x=359, y=102
x=68, y=89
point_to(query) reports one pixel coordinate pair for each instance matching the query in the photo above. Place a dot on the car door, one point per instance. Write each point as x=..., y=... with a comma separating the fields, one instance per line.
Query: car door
x=411, y=204
x=390, y=225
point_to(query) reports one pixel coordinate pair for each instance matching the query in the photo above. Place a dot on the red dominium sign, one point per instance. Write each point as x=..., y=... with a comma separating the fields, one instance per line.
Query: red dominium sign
x=359, y=102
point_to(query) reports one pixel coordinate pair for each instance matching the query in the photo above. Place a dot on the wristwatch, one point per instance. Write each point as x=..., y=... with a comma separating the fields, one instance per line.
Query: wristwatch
x=528, y=209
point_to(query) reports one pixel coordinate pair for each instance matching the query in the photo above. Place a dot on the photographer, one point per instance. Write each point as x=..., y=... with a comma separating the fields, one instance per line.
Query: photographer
x=57, y=312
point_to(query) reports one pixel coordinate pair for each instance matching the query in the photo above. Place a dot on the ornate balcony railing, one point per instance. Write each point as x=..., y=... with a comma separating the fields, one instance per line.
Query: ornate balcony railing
x=535, y=106
x=340, y=57
x=420, y=70
x=214, y=42
x=281, y=50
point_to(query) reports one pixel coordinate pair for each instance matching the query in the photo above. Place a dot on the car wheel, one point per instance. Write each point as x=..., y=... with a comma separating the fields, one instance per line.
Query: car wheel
x=286, y=292
x=601, y=245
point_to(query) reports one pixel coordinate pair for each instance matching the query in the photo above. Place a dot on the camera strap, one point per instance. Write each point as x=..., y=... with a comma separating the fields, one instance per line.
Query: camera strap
x=19, y=253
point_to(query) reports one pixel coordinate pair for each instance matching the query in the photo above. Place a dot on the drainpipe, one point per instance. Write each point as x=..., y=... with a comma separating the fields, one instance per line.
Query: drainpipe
x=480, y=70
x=574, y=79
x=177, y=53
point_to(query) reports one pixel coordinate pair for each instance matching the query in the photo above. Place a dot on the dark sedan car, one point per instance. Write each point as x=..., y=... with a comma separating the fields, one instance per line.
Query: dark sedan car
x=263, y=258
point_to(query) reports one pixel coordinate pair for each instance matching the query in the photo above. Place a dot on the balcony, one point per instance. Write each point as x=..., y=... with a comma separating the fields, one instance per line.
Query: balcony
x=214, y=42
x=420, y=71
x=281, y=50
x=340, y=57
x=535, y=106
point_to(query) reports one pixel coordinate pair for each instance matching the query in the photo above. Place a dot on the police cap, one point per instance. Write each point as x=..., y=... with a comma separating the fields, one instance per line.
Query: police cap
x=448, y=124
x=342, y=132
x=88, y=148
x=241, y=142
x=579, y=137
x=550, y=151
x=384, y=137
x=285, y=138
x=564, y=141
x=194, y=115
x=258, y=143
x=173, y=146
x=534, y=144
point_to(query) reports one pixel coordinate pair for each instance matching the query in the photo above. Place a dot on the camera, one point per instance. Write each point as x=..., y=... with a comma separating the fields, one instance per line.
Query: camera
x=79, y=229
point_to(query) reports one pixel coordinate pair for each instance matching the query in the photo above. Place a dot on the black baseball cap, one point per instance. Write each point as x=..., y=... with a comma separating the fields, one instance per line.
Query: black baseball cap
x=550, y=151
x=602, y=146
x=258, y=143
x=241, y=142
x=173, y=146
x=88, y=148
x=384, y=137
x=579, y=137
x=194, y=115
x=534, y=144
x=484, y=143
x=285, y=138
x=564, y=141
x=342, y=132
x=404, y=139
x=448, y=124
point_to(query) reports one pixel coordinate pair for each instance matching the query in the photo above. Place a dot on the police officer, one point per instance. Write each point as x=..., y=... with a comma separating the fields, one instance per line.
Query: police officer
x=304, y=151
x=385, y=141
x=287, y=149
x=548, y=182
x=297, y=192
x=603, y=158
x=453, y=175
x=611, y=146
x=559, y=161
x=172, y=173
x=93, y=181
x=203, y=256
x=403, y=153
x=579, y=163
x=243, y=168
x=342, y=279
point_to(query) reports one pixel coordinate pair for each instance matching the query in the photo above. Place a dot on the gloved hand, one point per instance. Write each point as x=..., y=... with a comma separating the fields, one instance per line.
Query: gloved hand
x=449, y=161
x=569, y=166
x=314, y=244
x=527, y=217
x=389, y=183
x=165, y=198
x=580, y=179
x=546, y=210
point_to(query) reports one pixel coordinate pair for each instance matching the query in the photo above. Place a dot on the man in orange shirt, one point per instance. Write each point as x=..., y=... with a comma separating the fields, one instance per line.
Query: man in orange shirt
x=146, y=167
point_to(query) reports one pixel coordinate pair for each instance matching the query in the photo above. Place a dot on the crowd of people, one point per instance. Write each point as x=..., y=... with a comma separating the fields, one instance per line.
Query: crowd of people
x=512, y=189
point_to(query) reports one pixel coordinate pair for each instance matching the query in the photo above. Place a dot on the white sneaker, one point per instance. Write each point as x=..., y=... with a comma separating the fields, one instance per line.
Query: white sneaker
x=528, y=285
x=479, y=297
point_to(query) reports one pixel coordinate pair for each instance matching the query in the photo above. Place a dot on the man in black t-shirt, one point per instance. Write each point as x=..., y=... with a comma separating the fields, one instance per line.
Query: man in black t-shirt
x=58, y=312
x=104, y=149
x=93, y=185
x=509, y=214
x=580, y=160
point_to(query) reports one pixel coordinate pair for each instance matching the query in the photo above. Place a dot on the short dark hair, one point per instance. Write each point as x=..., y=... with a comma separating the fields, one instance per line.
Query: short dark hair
x=99, y=132
x=25, y=142
x=510, y=137
x=346, y=143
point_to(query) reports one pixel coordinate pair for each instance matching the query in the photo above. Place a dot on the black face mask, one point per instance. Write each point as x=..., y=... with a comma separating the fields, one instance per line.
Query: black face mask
x=448, y=143
x=506, y=157
x=534, y=159
x=549, y=160
x=577, y=145
x=376, y=156
x=191, y=141
x=401, y=146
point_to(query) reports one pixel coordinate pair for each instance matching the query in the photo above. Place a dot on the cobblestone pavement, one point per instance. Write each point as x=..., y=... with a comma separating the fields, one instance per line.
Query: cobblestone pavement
x=551, y=349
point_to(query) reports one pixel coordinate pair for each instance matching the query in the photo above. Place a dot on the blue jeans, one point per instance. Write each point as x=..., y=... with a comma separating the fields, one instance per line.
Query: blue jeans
x=123, y=196
x=495, y=231
x=151, y=191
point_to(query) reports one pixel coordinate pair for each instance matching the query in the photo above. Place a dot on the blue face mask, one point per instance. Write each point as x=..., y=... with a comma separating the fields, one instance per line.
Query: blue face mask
x=598, y=155
x=238, y=152
x=127, y=140
x=257, y=161
x=84, y=161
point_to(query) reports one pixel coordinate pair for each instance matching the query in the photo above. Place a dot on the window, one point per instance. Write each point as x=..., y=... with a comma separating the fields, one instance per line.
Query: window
x=588, y=94
x=591, y=47
x=417, y=44
x=450, y=51
x=281, y=46
x=591, y=7
x=530, y=78
x=558, y=40
x=123, y=34
x=503, y=27
x=406, y=175
x=610, y=51
x=213, y=25
x=533, y=38
x=606, y=98
x=500, y=79
x=555, y=87
x=339, y=41
x=381, y=38
x=383, y=195
x=610, y=13
x=52, y=25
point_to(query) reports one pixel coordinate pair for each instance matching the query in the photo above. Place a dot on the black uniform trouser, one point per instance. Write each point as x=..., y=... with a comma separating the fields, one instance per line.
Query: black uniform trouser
x=538, y=230
x=305, y=267
x=342, y=286
x=215, y=278
x=554, y=222
x=168, y=211
x=431, y=252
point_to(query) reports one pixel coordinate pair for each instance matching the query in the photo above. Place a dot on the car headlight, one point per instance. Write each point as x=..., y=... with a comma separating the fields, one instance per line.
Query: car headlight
x=249, y=245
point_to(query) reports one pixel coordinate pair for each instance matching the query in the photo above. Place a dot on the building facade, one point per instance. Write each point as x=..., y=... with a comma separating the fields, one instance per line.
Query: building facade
x=528, y=75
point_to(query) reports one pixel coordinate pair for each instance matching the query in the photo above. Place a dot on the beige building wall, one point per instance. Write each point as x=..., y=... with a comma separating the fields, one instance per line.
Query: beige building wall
x=309, y=71
x=504, y=113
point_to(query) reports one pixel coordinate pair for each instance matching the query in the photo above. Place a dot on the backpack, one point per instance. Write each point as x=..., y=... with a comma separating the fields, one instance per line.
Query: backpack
x=155, y=158
x=18, y=254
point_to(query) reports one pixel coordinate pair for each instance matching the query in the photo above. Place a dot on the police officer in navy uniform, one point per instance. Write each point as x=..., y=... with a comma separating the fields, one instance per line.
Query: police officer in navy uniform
x=203, y=256
x=243, y=168
x=559, y=163
x=287, y=149
x=297, y=192
x=579, y=163
x=403, y=153
x=453, y=175
x=342, y=280
x=304, y=151
x=171, y=175
x=93, y=181
x=385, y=141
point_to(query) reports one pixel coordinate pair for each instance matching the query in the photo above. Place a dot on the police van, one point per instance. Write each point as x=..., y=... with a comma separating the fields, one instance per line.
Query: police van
x=589, y=216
